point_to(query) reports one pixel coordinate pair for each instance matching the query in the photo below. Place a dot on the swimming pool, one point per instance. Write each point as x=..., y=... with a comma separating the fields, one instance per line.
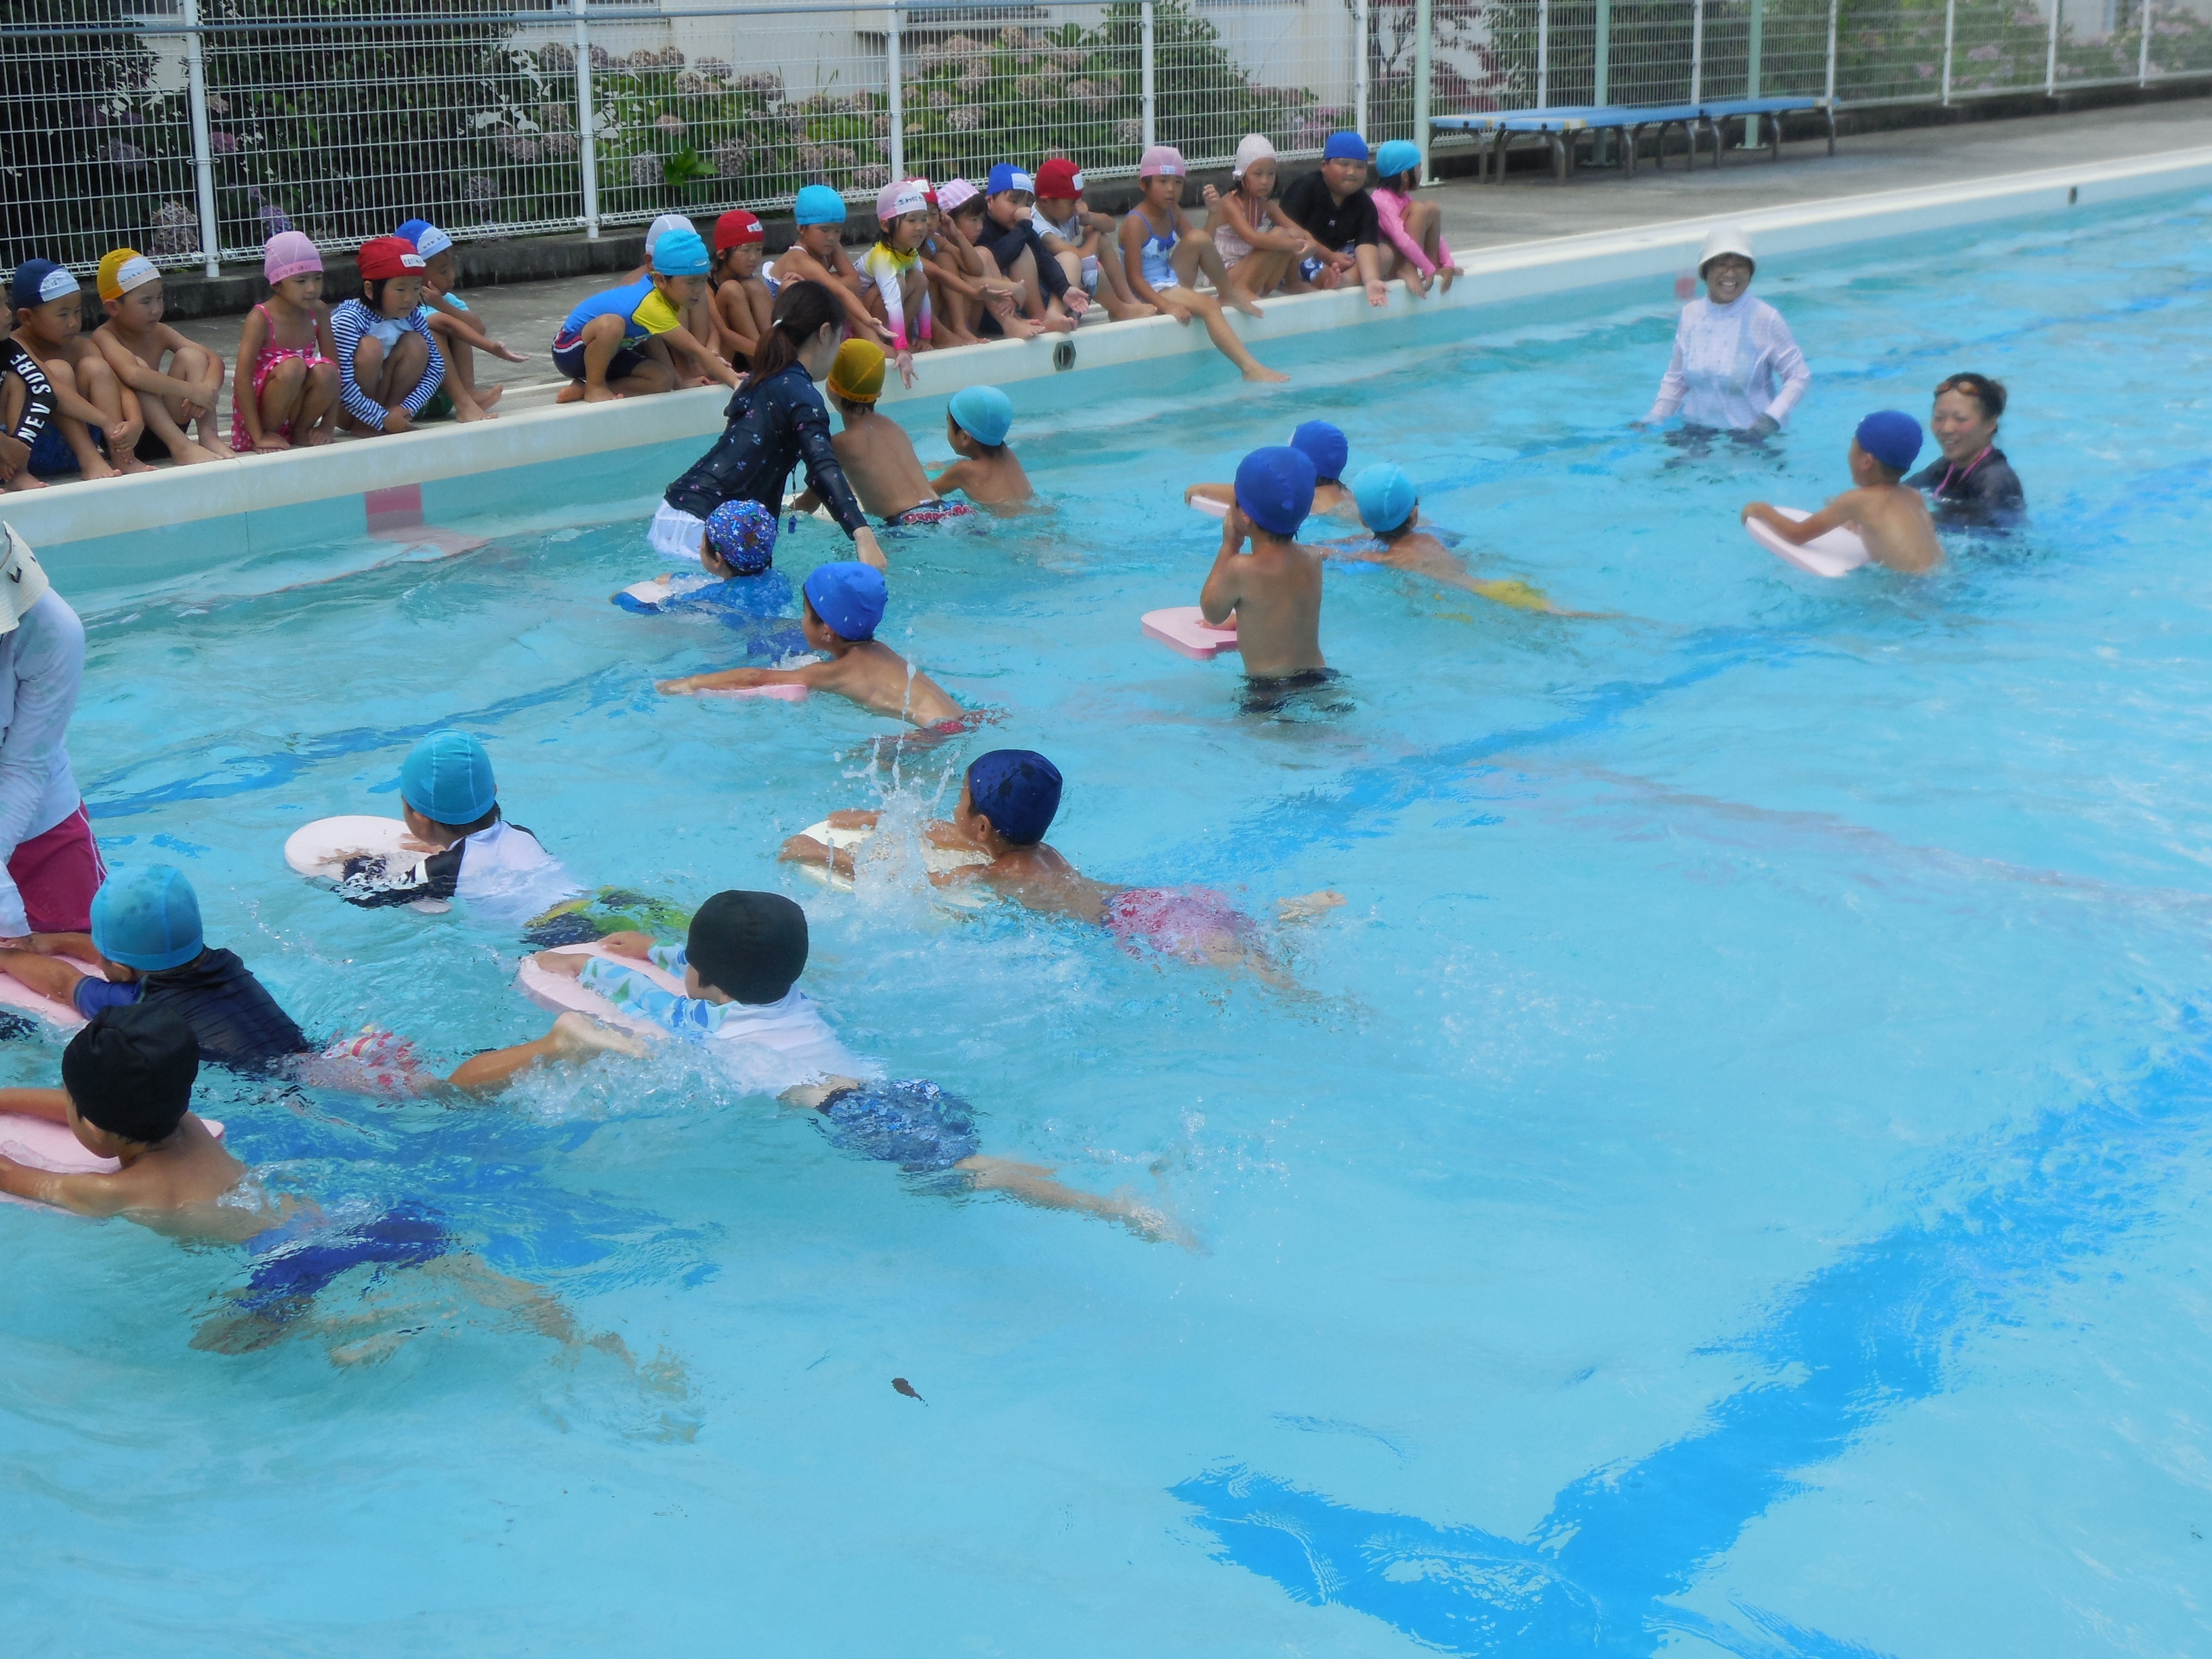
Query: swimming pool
x=1731, y=1191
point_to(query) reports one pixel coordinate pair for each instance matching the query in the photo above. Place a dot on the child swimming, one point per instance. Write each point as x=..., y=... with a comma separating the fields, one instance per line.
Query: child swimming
x=878, y=456
x=1163, y=254
x=287, y=388
x=176, y=381
x=737, y=577
x=1273, y=593
x=1388, y=507
x=844, y=606
x=977, y=419
x=740, y=964
x=1890, y=517
x=1322, y=443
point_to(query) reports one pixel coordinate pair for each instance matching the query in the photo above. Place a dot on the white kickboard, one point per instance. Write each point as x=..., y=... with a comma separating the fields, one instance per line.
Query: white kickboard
x=1836, y=553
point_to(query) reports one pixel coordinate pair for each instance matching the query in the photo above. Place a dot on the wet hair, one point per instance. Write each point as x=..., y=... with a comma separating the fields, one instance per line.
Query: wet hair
x=131, y=1070
x=750, y=946
x=1989, y=394
x=803, y=309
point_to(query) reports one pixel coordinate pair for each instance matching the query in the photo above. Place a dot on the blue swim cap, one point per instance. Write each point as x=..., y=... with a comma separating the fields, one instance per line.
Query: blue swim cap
x=1891, y=437
x=1018, y=790
x=1398, y=155
x=446, y=778
x=680, y=254
x=984, y=413
x=37, y=281
x=1344, y=147
x=428, y=239
x=1385, y=495
x=849, y=597
x=818, y=204
x=1324, y=446
x=1007, y=176
x=147, y=919
x=1275, y=489
x=743, y=534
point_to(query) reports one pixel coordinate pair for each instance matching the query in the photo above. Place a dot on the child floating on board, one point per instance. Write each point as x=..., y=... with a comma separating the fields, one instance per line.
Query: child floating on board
x=27, y=407
x=1273, y=593
x=1889, y=516
x=1322, y=443
x=1389, y=508
x=1083, y=241
x=735, y=580
x=177, y=382
x=1260, y=249
x=844, y=605
x=1413, y=244
x=96, y=424
x=452, y=324
x=287, y=389
x=819, y=255
x=874, y=450
x=631, y=341
x=1008, y=799
x=898, y=295
x=742, y=302
x=389, y=365
x=740, y=964
x=1163, y=254
x=1736, y=367
x=977, y=419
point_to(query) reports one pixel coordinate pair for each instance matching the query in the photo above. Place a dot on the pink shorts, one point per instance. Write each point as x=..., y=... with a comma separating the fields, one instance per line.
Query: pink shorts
x=57, y=872
x=1179, y=921
x=376, y=1063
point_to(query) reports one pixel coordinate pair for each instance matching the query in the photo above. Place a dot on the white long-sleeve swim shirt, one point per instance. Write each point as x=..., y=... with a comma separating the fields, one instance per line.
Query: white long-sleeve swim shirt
x=1732, y=364
x=41, y=664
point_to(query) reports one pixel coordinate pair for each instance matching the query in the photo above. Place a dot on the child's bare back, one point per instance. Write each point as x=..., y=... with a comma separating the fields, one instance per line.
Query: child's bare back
x=878, y=458
x=1894, y=522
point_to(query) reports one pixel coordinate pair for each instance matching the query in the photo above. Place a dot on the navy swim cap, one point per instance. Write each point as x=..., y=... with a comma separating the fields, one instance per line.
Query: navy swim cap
x=1891, y=437
x=751, y=946
x=131, y=1071
x=1018, y=790
x=1275, y=489
x=38, y=282
x=1324, y=446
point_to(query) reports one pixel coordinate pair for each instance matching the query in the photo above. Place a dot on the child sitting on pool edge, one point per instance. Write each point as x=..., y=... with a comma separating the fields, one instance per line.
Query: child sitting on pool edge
x=740, y=965
x=176, y=381
x=977, y=419
x=1890, y=517
x=844, y=603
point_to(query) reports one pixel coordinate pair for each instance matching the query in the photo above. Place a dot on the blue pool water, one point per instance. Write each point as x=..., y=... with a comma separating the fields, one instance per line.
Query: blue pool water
x=1736, y=1187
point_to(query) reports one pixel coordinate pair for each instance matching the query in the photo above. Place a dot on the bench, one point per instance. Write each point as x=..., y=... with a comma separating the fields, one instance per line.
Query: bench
x=1493, y=132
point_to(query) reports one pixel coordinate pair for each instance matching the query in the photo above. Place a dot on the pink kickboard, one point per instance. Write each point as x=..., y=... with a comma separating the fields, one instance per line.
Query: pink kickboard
x=46, y=1145
x=14, y=993
x=1184, y=628
x=780, y=693
x=564, y=995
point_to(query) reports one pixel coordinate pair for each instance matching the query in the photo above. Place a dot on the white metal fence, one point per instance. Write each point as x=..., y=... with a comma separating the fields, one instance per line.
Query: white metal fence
x=194, y=129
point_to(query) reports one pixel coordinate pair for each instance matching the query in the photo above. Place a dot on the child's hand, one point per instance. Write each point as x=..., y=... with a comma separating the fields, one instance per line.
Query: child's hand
x=117, y=431
x=1754, y=510
x=804, y=850
x=569, y=964
x=1211, y=197
x=676, y=688
x=854, y=817
x=395, y=420
x=905, y=362
x=627, y=943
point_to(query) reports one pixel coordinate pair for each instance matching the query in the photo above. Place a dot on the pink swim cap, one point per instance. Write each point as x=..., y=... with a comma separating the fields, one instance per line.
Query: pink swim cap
x=1162, y=162
x=288, y=253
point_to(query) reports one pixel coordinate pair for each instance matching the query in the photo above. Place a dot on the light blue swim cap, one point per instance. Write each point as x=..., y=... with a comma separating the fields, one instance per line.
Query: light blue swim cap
x=818, y=204
x=147, y=919
x=1398, y=155
x=1275, y=488
x=1325, y=446
x=679, y=253
x=984, y=413
x=446, y=778
x=1385, y=495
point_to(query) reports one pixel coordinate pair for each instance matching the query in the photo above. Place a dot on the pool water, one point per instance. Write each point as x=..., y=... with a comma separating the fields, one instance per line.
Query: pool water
x=1733, y=1182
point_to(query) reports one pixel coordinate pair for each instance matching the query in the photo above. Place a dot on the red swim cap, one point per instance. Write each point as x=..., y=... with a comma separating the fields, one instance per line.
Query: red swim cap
x=737, y=228
x=1059, y=180
x=387, y=256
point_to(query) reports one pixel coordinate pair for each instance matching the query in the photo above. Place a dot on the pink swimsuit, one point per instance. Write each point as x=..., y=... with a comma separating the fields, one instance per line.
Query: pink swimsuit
x=270, y=355
x=1178, y=922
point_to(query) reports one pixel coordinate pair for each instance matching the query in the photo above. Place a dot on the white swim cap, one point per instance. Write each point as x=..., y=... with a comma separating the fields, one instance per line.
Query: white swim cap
x=1726, y=239
x=1255, y=148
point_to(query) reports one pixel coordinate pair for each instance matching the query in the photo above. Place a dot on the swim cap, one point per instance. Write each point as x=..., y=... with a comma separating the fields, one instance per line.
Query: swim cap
x=1059, y=180
x=983, y=412
x=1324, y=446
x=429, y=241
x=955, y=193
x=1891, y=437
x=22, y=579
x=849, y=598
x=446, y=778
x=680, y=254
x=386, y=257
x=1253, y=147
x=1007, y=176
x=37, y=281
x=131, y=1071
x=1344, y=146
x=288, y=253
x=1726, y=239
x=1275, y=489
x=1396, y=157
x=899, y=197
x=737, y=228
x=743, y=534
x=856, y=374
x=123, y=270
x=661, y=227
x=751, y=946
x=1162, y=162
x=1385, y=495
x=818, y=204
x=1018, y=790
x=147, y=919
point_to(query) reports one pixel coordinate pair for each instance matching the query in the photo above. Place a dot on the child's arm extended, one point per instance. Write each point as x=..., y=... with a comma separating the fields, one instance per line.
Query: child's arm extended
x=732, y=679
x=49, y=976
x=83, y=1195
x=1839, y=513
x=680, y=339
x=954, y=477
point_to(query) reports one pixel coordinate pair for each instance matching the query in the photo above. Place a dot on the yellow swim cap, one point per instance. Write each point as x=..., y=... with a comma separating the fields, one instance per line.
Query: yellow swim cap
x=857, y=376
x=123, y=270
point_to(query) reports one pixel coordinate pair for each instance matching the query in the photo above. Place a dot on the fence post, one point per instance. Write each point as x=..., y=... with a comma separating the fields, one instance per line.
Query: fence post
x=1697, y=65
x=1604, y=91
x=1950, y=33
x=1543, y=54
x=1359, y=25
x=894, y=62
x=2051, y=52
x=1758, y=47
x=2142, y=62
x=1150, y=79
x=1424, y=20
x=202, y=147
x=1831, y=92
x=588, y=146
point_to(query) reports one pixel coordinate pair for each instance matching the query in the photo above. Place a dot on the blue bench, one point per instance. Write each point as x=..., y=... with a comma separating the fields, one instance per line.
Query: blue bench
x=1494, y=132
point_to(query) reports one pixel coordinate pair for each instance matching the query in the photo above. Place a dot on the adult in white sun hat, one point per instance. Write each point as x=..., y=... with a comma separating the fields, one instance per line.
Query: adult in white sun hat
x=1736, y=367
x=52, y=863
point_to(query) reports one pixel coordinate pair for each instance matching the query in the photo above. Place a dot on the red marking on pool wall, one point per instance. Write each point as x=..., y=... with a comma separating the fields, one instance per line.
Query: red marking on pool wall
x=397, y=508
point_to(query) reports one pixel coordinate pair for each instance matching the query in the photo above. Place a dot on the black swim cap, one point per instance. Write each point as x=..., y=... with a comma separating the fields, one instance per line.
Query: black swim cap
x=131, y=1070
x=751, y=946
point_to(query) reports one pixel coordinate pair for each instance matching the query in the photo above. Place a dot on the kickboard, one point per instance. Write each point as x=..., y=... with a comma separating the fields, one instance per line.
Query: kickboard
x=319, y=850
x=564, y=995
x=1208, y=505
x=46, y=1145
x=1836, y=553
x=14, y=993
x=656, y=592
x=1183, y=628
x=778, y=693
x=938, y=860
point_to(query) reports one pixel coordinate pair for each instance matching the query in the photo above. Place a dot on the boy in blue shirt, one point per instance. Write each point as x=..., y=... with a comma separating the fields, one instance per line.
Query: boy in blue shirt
x=622, y=344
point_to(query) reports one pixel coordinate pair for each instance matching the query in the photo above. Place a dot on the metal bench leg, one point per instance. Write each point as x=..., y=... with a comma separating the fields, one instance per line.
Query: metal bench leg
x=1558, y=158
x=1832, y=130
x=1774, y=139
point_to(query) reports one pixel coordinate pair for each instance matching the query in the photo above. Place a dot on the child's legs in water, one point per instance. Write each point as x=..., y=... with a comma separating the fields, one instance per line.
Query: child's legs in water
x=573, y=1036
x=1185, y=303
x=1032, y=1183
